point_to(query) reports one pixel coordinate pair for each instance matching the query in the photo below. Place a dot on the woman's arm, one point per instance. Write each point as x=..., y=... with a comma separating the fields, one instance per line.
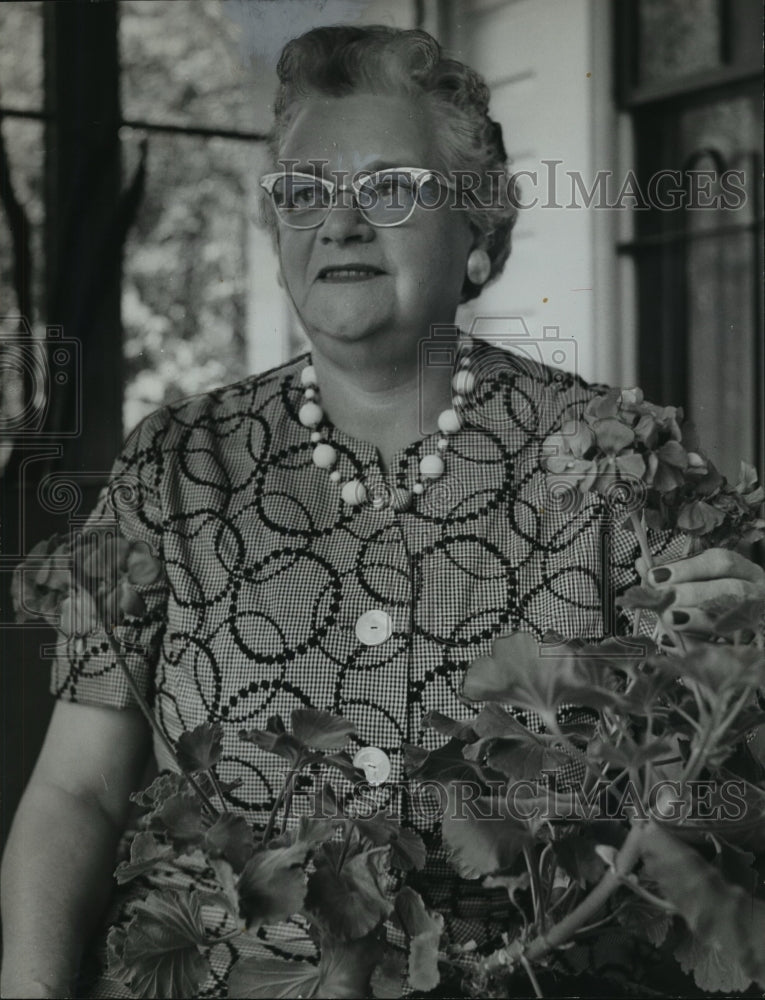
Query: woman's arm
x=58, y=862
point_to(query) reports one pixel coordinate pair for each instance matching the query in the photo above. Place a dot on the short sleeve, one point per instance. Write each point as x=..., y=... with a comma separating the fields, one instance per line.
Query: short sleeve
x=86, y=670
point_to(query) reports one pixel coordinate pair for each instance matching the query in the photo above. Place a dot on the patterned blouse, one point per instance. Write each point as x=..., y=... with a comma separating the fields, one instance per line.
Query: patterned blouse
x=278, y=595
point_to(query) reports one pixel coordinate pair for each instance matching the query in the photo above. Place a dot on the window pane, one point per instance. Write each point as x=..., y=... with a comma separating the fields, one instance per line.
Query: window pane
x=184, y=63
x=722, y=283
x=185, y=279
x=21, y=67
x=677, y=38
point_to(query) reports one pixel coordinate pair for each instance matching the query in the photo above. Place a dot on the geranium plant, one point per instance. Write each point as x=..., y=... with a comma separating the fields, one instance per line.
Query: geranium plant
x=334, y=868
x=629, y=824
x=638, y=817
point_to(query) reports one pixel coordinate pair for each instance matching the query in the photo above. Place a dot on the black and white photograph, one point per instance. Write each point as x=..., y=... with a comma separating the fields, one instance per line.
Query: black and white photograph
x=382, y=438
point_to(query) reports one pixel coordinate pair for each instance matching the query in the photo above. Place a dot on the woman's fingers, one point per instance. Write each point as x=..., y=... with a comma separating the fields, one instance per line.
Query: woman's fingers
x=688, y=611
x=714, y=564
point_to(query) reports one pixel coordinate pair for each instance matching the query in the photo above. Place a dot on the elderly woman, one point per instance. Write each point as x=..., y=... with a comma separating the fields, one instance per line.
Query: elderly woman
x=348, y=531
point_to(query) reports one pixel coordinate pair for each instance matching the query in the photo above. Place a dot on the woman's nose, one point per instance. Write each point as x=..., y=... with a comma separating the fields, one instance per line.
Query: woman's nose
x=345, y=223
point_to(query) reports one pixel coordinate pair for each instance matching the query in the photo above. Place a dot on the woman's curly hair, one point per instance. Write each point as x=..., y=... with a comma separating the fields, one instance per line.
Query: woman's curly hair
x=337, y=61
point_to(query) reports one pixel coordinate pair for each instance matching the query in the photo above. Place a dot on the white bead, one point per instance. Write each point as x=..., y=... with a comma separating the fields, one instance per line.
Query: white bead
x=354, y=493
x=324, y=455
x=443, y=444
x=310, y=414
x=310, y=393
x=448, y=422
x=335, y=476
x=431, y=466
x=458, y=400
x=308, y=375
x=463, y=381
x=315, y=436
x=418, y=488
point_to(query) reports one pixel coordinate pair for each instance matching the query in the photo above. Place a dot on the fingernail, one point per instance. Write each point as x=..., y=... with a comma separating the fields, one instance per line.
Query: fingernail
x=680, y=617
x=661, y=575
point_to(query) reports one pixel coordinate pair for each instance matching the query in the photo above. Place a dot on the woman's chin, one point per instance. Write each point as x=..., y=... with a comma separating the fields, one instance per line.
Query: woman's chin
x=345, y=327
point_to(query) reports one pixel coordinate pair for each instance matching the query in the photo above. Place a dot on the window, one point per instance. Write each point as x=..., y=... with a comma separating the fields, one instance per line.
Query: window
x=691, y=80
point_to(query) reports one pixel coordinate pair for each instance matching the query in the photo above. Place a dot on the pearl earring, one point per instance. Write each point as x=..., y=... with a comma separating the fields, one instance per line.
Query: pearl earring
x=478, y=266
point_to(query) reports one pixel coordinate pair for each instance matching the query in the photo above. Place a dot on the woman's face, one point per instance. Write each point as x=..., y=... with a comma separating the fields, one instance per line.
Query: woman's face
x=421, y=263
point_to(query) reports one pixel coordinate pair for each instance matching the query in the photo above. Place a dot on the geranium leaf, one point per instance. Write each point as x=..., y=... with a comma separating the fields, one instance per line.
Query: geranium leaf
x=714, y=969
x=493, y=720
x=349, y=902
x=231, y=836
x=719, y=913
x=523, y=757
x=448, y=727
x=479, y=845
x=406, y=846
x=389, y=977
x=272, y=979
x=345, y=967
x=743, y=615
x=180, y=816
x=200, y=748
x=510, y=883
x=379, y=829
x=643, y=920
x=717, y=667
x=518, y=672
x=319, y=729
x=145, y=853
x=272, y=885
x=651, y=598
x=407, y=850
x=342, y=762
x=228, y=897
x=578, y=857
x=423, y=929
x=446, y=763
x=280, y=743
x=158, y=953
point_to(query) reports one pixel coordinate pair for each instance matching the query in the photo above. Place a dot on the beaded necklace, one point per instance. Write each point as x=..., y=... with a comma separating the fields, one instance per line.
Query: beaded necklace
x=353, y=491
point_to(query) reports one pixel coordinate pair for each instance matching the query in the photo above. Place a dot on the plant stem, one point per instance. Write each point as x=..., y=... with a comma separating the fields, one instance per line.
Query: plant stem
x=642, y=537
x=532, y=978
x=146, y=709
x=560, y=933
x=346, y=845
x=290, y=791
x=218, y=789
x=268, y=832
x=536, y=889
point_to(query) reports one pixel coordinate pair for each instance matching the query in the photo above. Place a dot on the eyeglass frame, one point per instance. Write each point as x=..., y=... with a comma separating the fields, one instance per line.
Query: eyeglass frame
x=419, y=175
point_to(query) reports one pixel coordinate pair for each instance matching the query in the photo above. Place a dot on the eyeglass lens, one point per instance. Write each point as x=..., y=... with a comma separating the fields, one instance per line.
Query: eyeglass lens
x=386, y=198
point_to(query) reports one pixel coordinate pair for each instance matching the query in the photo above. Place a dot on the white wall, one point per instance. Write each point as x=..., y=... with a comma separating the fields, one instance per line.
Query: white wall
x=548, y=65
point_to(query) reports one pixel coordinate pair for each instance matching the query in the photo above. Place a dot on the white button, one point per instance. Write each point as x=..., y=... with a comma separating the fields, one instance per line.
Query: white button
x=374, y=763
x=374, y=627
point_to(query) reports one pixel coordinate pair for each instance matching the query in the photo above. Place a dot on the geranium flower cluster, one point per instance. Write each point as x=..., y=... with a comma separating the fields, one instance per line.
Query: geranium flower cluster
x=623, y=440
x=85, y=582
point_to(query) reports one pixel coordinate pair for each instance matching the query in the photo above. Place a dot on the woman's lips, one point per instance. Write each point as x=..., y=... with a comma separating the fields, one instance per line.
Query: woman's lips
x=349, y=272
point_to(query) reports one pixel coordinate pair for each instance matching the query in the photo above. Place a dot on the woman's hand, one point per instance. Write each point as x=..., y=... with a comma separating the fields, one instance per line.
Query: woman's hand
x=714, y=575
